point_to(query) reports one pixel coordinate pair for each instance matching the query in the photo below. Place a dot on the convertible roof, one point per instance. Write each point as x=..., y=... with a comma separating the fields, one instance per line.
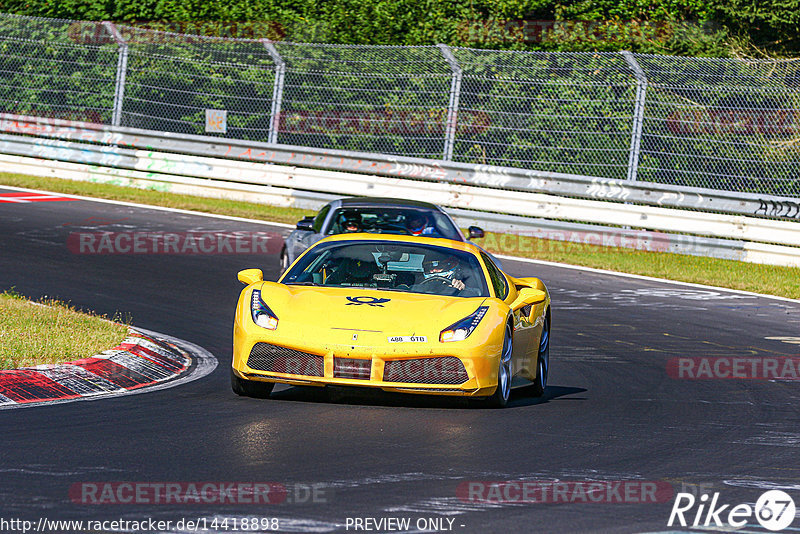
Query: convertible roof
x=385, y=201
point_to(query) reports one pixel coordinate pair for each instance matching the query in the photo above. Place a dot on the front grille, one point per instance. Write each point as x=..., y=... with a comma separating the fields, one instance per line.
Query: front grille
x=352, y=368
x=276, y=359
x=435, y=370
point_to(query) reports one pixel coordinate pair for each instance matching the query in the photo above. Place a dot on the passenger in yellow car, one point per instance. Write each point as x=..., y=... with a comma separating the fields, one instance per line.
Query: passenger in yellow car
x=352, y=272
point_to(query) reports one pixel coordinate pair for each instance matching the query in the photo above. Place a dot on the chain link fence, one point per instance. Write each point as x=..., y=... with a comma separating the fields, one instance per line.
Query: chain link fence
x=711, y=123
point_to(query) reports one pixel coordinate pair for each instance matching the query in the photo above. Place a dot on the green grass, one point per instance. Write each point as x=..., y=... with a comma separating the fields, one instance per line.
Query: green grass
x=768, y=279
x=33, y=333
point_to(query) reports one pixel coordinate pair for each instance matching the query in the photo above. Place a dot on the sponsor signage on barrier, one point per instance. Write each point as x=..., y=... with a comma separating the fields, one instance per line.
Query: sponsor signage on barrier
x=216, y=121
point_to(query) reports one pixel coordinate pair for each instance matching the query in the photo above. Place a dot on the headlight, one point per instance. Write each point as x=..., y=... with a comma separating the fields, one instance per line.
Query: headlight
x=262, y=315
x=462, y=329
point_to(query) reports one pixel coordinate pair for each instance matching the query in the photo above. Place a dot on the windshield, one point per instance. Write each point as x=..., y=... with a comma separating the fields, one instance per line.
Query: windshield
x=392, y=220
x=406, y=267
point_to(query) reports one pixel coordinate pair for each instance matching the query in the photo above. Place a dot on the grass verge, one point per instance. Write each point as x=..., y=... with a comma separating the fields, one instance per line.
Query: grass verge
x=33, y=333
x=769, y=279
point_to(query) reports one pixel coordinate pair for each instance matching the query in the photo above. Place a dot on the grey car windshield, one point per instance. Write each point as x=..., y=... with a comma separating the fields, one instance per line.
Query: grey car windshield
x=391, y=266
x=393, y=220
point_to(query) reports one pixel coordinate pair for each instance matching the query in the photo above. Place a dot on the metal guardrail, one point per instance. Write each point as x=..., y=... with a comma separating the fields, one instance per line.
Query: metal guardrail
x=745, y=238
x=506, y=178
x=446, y=194
x=524, y=233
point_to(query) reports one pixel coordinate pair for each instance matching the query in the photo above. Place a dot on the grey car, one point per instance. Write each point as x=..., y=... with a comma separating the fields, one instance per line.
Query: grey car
x=372, y=215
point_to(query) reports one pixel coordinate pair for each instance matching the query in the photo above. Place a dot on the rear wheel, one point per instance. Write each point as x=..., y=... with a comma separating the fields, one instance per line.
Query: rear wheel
x=250, y=388
x=503, y=392
x=543, y=360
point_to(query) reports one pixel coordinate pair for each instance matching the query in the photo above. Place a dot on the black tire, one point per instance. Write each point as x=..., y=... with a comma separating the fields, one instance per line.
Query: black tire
x=499, y=398
x=543, y=359
x=250, y=388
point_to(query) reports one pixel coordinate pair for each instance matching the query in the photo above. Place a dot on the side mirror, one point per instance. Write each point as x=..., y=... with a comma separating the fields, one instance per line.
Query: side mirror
x=251, y=276
x=528, y=296
x=306, y=224
x=475, y=232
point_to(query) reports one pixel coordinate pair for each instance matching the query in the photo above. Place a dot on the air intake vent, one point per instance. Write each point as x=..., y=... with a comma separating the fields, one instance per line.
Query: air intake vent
x=352, y=368
x=434, y=370
x=276, y=359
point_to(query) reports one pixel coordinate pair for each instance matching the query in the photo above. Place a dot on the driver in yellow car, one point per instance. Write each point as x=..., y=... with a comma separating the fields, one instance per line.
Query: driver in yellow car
x=445, y=268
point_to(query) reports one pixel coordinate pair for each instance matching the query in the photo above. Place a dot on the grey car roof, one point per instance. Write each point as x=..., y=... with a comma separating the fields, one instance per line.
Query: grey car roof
x=385, y=201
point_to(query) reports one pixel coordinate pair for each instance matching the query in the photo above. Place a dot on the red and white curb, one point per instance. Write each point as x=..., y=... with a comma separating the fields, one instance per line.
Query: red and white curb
x=144, y=361
x=26, y=198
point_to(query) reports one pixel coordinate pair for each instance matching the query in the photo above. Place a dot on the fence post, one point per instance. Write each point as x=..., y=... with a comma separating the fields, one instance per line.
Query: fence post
x=277, y=91
x=122, y=70
x=452, y=106
x=638, y=114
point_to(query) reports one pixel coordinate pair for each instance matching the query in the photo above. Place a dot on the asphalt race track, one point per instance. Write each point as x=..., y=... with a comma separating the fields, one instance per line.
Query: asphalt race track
x=611, y=413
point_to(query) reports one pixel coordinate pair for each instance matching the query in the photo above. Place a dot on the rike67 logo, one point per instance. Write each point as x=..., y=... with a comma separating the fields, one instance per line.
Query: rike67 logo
x=774, y=510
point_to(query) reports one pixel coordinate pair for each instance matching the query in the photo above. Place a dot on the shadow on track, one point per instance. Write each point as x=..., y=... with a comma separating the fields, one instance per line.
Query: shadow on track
x=520, y=397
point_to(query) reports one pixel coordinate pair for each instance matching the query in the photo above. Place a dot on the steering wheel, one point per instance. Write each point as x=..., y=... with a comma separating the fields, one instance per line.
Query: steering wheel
x=443, y=286
x=440, y=280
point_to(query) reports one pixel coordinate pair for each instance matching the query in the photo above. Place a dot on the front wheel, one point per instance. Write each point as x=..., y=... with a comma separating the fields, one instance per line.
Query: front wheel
x=250, y=388
x=503, y=392
x=543, y=360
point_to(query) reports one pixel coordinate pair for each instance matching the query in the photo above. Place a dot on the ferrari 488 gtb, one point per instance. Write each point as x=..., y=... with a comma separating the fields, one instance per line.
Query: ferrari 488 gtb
x=399, y=313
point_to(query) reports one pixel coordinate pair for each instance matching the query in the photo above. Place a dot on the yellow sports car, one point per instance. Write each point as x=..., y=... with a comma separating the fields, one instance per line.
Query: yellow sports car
x=400, y=313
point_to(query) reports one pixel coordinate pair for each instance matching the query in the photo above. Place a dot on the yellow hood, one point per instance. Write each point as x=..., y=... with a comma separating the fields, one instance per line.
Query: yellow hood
x=353, y=309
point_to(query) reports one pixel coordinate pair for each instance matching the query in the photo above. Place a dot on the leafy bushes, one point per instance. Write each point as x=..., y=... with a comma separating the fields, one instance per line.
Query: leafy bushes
x=681, y=27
